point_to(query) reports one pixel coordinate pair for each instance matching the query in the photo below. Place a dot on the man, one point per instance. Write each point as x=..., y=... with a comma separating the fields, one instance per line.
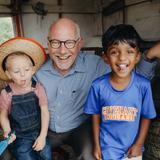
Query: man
x=67, y=77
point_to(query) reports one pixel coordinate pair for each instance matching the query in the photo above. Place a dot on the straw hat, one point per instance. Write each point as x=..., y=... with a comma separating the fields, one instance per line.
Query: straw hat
x=26, y=45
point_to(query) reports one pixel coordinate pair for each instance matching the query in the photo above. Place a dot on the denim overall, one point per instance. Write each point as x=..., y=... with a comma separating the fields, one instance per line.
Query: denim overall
x=25, y=120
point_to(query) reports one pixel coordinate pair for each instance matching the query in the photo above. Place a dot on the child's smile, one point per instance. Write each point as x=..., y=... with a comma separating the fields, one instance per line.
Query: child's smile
x=122, y=59
x=122, y=66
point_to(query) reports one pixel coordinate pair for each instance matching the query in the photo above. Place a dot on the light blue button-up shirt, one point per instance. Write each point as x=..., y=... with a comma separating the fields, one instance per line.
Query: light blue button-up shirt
x=67, y=94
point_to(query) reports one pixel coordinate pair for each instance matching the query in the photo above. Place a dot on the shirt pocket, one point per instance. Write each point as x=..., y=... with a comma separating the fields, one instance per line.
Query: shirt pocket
x=77, y=94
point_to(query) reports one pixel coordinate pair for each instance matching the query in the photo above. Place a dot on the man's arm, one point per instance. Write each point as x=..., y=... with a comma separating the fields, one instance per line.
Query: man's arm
x=146, y=66
x=153, y=52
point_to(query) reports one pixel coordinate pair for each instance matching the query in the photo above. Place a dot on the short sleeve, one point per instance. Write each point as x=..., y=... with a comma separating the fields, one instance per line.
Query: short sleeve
x=148, y=109
x=5, y=100
x=41, y=94
x=92, y=105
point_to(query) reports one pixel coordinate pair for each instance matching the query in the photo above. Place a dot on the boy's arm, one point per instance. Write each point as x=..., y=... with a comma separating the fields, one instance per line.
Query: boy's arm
x=41, y=140
x=136, y=148
x=5, y=124
x=4, y=121
x=96, y=128
x=44, y=121
x=147, y=65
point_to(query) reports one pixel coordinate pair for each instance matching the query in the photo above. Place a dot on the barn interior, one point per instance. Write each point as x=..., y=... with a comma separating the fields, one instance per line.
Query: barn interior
x=32, y=18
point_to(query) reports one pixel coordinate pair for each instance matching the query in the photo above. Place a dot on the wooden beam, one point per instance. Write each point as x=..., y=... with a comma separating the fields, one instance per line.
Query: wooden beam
x=113, y=7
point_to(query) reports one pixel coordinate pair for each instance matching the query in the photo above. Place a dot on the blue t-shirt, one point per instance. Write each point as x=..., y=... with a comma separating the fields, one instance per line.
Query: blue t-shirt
x=120, y=113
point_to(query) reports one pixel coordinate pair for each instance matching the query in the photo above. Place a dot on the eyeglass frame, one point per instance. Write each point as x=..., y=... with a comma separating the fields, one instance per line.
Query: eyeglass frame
x=64, y=42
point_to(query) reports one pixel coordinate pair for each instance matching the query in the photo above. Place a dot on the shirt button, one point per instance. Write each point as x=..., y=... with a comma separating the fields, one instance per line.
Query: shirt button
x=60, y=91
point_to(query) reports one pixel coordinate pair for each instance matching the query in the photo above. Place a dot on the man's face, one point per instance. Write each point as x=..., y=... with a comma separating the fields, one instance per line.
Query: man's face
x=64, y=46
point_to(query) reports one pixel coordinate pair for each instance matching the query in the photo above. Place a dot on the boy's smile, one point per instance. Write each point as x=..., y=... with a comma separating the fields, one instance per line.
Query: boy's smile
x=122, y=59
x=122, y=66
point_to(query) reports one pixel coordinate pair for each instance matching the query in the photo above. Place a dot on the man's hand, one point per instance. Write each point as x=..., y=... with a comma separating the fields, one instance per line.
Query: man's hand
x=154, y=52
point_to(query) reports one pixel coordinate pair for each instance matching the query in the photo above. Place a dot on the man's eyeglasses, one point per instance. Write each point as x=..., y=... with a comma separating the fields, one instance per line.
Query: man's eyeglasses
x=69, y=44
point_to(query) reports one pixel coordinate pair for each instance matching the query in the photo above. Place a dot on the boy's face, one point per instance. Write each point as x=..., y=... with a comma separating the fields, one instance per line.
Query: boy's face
x=20, y=69
x=122, y=58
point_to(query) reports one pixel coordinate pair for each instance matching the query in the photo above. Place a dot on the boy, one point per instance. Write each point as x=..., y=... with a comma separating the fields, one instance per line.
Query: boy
x=23, y=102
x=120, y=102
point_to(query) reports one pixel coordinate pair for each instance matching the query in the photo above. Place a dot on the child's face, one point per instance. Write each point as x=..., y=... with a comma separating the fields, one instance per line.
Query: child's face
x=122, y=58
x=20, y=69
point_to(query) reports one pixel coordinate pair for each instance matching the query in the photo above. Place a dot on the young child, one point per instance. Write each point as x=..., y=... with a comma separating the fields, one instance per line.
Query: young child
x=23, y=102
x=120, y=102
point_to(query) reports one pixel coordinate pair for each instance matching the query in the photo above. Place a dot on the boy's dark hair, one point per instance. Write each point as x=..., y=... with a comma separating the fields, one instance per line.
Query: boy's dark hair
x=121, y=33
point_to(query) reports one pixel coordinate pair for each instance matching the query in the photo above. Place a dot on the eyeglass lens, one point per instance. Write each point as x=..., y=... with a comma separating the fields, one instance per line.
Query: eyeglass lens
x=68, y=43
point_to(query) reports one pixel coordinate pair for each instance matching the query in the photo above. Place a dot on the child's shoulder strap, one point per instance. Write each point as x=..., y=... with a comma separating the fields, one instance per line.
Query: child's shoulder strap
x=8, y=89
x=34, y=83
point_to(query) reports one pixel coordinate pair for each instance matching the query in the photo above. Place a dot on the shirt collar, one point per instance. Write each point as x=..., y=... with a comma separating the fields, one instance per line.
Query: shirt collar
x=79, y=65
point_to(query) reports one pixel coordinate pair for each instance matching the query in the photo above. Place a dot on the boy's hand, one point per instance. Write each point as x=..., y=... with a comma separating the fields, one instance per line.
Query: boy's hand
x=12, y=136
x=134, y=151
x=97, y=153
x=39, y=143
